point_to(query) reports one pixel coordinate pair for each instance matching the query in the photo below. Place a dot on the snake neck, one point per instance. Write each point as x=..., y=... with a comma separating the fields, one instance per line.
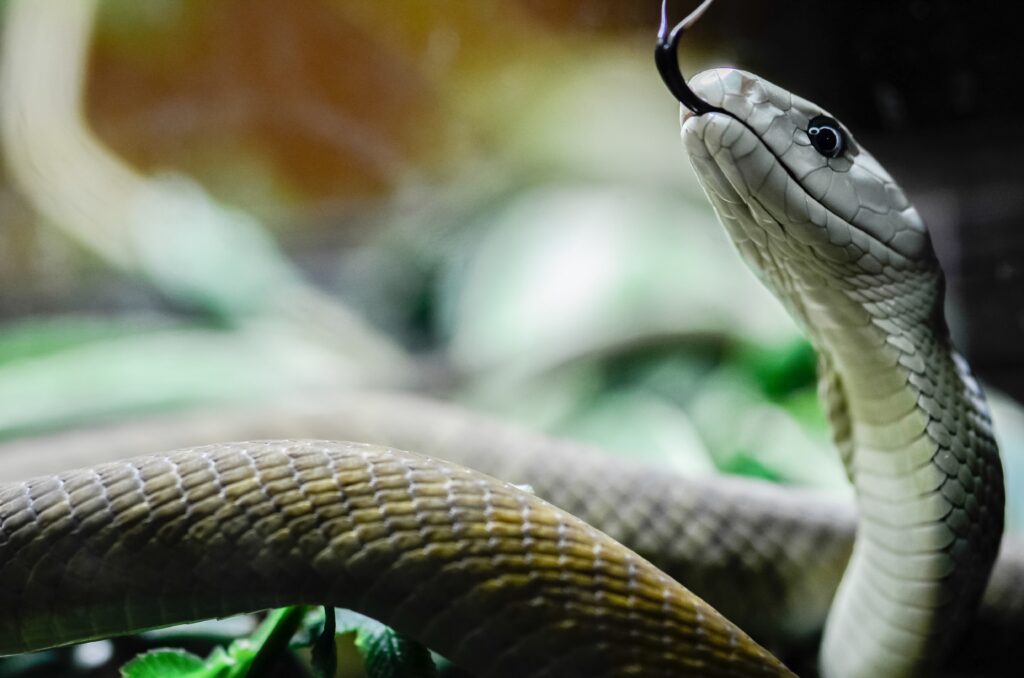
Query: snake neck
x=914, y=432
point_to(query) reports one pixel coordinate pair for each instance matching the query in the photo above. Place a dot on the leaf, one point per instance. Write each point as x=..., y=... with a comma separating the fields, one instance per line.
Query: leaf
x=746, y=464
x=779, y=370
x=165, y=663
x=386, y=652
x=390, y=654
x=247, y=657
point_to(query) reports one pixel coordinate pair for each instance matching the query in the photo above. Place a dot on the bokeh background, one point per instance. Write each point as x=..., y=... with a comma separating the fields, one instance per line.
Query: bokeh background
x=243, y=201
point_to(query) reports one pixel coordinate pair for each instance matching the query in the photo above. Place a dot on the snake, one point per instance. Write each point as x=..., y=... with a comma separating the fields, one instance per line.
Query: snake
x=503, y=582
x=832, y=235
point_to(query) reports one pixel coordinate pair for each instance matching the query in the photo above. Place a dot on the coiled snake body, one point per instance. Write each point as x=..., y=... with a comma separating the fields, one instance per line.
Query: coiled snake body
x=504, y=583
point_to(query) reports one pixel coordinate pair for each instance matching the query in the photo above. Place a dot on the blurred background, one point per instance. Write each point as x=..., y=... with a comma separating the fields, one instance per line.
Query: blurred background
x=238, y=201
x=208, y=203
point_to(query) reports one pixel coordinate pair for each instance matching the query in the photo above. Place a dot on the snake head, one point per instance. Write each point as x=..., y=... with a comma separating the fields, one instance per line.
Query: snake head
x=784, y=176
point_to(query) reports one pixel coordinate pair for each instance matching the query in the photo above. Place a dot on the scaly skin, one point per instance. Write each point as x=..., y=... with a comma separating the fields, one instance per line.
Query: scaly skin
x=501, y=582
x=768, y=557
x=836, y=240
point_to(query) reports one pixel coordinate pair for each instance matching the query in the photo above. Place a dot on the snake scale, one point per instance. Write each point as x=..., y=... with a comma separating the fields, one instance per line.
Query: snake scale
x=506, y=584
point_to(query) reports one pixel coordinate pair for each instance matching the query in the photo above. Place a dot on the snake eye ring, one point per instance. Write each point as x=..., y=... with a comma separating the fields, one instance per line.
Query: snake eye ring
x=826, y=136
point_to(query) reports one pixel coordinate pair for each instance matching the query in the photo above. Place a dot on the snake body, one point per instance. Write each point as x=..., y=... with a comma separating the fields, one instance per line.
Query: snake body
x=767, y=557
x=500, y=581
x=836, y=240
x=504, y=583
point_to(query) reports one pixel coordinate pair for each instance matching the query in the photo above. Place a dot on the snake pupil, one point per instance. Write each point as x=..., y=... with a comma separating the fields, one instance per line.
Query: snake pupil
x=826, y=136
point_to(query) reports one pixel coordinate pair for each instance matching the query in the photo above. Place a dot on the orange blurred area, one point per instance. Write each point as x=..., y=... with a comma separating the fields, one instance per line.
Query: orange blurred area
x=328, y=98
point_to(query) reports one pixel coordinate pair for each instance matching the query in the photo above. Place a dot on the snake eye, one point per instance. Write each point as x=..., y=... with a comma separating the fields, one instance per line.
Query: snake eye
x=826, y=136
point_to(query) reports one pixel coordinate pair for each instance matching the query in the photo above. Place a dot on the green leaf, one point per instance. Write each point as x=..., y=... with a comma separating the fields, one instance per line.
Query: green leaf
x=29, y=339
x=779, y=370
x=164, y=663
x=745, y=464
x=245, y=658
x=386, y=652
x=390, y=654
